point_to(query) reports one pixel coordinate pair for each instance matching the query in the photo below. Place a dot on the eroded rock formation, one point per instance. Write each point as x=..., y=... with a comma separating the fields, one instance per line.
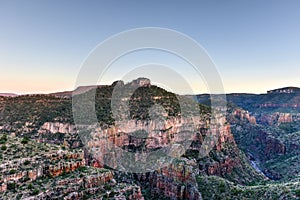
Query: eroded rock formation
x=57, y=127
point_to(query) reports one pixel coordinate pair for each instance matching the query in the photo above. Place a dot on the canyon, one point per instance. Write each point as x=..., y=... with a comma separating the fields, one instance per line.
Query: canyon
x=44, y=154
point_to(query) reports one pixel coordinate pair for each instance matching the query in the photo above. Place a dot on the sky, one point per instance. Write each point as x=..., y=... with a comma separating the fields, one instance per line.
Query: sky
x=255, y=45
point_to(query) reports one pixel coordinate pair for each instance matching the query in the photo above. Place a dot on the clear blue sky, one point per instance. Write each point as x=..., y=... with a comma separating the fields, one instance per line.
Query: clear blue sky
x=255, y=44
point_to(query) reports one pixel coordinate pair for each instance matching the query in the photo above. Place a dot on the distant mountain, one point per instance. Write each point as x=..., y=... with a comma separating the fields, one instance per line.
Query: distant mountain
x=82, y=89
x=278, y=100
x=8, y=95
x=79, y=90
x=285, y=90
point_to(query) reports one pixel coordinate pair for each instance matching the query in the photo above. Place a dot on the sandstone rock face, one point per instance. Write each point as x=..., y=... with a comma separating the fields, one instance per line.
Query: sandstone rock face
x=56, y=127
x=61, y=187
x=94, y=185
x=147, y=136
x=31, y=174
x=59, y=133
x=176, y=181
x=35, y=173
x=141, y=82
x=285, y=117
x=222, y=168
x=277, y=118
x=225, y=136
x=64, y=163
x=244, y=115
x=225, y=165
x=65, y=167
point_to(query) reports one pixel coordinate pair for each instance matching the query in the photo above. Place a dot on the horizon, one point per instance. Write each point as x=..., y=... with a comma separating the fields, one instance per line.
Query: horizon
x=254, y=45
x=71, y=90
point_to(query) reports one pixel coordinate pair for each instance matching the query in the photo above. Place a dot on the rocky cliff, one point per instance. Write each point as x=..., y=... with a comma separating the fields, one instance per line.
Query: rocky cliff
x=57, y=127
x=54, y=167
x=277, y=118
x=177, y=180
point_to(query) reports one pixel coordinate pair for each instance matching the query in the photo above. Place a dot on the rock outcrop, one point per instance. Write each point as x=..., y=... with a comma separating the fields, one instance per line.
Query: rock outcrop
x=57, y=127
x=176, y=181
x=244, y=115
x=277, y=118
x=19, y=165
x=147, y=135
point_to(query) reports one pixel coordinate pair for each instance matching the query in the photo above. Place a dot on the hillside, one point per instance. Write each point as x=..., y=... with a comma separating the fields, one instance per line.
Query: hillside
x=40, y=130
x=8, y=95
x=272, y=136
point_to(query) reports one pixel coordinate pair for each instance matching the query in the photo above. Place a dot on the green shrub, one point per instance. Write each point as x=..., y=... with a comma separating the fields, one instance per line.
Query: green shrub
x=3, y=139
x=27, y=162
x=25, y=140
x=11, y=186
x=107, y=187
x=222, y=187
x=30, y=186
x=298, y=193
x=3, y=147
x=35, y=192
